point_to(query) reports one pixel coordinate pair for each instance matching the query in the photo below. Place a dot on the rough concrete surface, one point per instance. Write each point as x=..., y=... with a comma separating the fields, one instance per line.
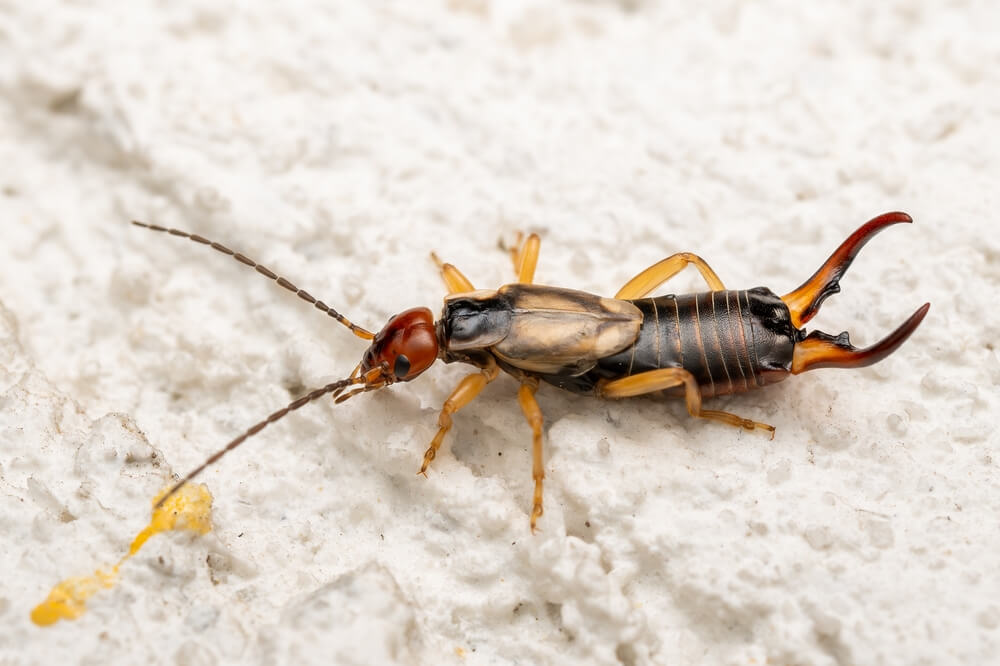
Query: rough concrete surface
x=340, y=143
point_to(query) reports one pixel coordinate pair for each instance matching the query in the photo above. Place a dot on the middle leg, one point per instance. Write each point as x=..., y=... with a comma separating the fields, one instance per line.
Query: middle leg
x=525, y=257
x=526, y=398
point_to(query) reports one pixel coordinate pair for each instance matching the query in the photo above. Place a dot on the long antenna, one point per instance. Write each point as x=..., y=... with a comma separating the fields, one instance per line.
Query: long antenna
x=266, y=272
x=253, y=430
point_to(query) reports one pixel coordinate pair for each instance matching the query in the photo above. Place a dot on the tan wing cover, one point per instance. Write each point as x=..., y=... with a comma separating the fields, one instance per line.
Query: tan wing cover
x=564, y=331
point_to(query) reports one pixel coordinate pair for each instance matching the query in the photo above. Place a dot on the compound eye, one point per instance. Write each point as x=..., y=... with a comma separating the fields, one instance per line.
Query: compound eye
x=401, y=367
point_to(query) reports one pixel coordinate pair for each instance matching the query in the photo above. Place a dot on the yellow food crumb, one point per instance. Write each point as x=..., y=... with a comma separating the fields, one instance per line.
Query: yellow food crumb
x=190, y=508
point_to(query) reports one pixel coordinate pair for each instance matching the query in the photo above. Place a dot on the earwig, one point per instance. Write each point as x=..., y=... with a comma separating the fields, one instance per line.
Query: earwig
x=694, y=346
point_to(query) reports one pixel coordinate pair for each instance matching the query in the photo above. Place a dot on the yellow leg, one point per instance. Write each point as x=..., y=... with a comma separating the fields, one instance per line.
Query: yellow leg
x=464, y=393
x=453, y=278
x=526, y=398
x=661, y=271
x=525, y=257
x=657, y=380
x=514, y=249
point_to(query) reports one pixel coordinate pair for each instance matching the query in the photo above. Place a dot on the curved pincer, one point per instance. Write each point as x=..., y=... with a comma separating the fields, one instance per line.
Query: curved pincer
x=821, y=350
x=804, y=302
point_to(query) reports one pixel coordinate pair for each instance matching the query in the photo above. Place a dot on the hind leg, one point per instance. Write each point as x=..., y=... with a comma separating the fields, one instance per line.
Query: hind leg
x=661, y=271
x=664, y=378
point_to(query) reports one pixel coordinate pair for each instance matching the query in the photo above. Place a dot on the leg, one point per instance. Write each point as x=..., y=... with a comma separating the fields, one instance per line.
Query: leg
x=526, y=398
x=514, y=250
x=453, y=278
x=464, y=393
x=660, y=272
x=657, y=380
x=525, y=257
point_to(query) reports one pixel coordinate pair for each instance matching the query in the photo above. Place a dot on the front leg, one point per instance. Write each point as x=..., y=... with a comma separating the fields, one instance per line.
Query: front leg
x=525, y=257
x=453, y=278
x=464, y=393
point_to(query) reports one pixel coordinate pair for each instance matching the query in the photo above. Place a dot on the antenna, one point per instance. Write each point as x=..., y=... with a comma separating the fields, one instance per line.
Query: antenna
x=253, y=430
x=266, y=272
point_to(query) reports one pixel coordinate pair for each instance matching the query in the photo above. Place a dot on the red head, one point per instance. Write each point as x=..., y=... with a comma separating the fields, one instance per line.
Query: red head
x=407, y=345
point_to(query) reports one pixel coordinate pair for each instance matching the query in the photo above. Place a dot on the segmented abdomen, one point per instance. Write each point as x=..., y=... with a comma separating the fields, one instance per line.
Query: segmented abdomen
x=729, y=340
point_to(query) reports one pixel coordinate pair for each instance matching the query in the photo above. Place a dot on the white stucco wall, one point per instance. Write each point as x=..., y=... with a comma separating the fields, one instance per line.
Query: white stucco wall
x=339, y=143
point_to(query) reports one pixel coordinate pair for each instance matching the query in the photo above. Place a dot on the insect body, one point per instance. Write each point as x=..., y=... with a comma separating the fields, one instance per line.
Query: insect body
x=730, y=341
x=695, y=345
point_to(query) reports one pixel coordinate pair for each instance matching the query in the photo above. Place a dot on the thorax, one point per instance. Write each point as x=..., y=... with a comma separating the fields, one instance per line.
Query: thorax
x=536, y=328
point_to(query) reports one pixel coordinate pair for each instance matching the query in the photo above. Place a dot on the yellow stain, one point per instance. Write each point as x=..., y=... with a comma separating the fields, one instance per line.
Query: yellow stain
x=190, y=508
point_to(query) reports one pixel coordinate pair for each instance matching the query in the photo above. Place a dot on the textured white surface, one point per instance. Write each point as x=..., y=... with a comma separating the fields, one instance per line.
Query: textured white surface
x=340, y=144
